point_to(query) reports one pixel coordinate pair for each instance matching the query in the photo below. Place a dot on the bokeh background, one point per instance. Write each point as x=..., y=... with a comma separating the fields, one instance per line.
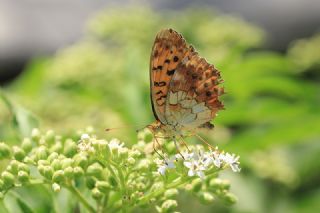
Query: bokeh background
x=67, y=65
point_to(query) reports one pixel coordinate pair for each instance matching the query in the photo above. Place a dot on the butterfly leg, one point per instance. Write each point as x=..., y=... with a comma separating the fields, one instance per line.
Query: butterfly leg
x=204, y=141
x=184, y=143
x=177, y=146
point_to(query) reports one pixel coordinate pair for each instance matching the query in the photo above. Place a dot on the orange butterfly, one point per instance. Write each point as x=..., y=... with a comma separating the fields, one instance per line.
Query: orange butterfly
x=184, y=87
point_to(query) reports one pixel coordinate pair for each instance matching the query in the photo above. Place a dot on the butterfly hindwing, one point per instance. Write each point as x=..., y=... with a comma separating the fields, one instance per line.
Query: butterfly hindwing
x=193, y=93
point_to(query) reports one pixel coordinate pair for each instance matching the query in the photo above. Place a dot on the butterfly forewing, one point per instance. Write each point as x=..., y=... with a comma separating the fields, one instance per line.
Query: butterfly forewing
x=168, y=50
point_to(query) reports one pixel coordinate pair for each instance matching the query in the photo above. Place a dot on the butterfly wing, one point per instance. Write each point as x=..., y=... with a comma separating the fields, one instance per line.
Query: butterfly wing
x=193, y=97
x=168, y=51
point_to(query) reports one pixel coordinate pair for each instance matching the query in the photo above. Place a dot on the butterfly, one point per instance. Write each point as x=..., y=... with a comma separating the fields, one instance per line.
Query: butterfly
x=184, y=86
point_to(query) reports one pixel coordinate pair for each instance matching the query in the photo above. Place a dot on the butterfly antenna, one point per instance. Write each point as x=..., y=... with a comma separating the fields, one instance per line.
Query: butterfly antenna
x=122, y=127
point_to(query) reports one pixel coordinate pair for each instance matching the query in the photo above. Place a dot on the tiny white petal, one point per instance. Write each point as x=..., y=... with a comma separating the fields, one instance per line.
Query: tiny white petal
x=85, y=137
x=191, y=173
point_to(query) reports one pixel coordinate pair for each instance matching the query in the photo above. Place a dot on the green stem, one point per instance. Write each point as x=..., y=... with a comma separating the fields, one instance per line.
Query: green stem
x=84, y=202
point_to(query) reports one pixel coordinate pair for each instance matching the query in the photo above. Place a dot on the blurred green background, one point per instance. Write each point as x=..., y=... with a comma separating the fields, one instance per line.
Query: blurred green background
x=272, y=116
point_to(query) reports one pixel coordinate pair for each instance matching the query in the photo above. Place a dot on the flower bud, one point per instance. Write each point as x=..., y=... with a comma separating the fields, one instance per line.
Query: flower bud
x=57, y=147
x=35, y=134
x=169, y=205
x=90, y=182
x=144, y=164
x=81, y=160
x=18, y=153
x=23, y=176
x=103, y=186
x=26, y=145
x=49, y=137
x=206, y=197
x=123, y=153
x=42, y=153
x=58, y=176
x=96, y=194
x=95, y=170
x=43, y=162
x=8, y=179
x=14, y=167
x=5, y=151
x=170, y=193
x=29, y=160
x=52, y=156
x=47, y=172
x=24, y=167
x=56, y=164
x=56, y=187
x=131, y=161
x=78, y=171
x=148, y=136
x=230, y=198
x=68, y=172
x=70, y=148
x=196, y=185
x=67, y=162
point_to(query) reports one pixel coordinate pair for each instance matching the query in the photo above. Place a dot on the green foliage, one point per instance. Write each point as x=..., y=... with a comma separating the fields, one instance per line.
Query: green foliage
x=272, y=116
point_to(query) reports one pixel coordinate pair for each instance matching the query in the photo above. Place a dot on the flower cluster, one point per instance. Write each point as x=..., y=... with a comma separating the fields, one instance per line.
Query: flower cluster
x=113, y=175
x=199, y=161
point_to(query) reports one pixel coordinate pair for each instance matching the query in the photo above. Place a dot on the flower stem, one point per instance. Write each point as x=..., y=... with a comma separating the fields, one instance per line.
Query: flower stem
x=84, y=202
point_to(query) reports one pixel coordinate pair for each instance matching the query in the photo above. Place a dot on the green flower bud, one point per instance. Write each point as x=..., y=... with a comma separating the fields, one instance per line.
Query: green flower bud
x=14, y=167
x=47, y=172
x=57, y=147
x=42, y=141
x=8, y=179
x=5, y=151
x=144, y=164
x=56, y=164
x=148, y=136
x=52, y=156
x=24, y=167
x=29, y=160
x=67, y=162
x=58, y=176
x=56, y=187
x=103, y=186
x=35, y=134
x=206, y=197
x=18, y=153
x=217, y=183
x=123, y=153
x=70, y=148
x=43, y=162
x=68, y=172
x=81, y=160
x=23, y=176
x=170, y=193
x=95, y=170
x=169, y=205
x=78, y=171
x=26, y=145
x=90, y=182
x=196, y=185
x=131, y=161
x=230, y=198
x=96, y=194
x=42, y=153
x=49, y=137
x=134, y=153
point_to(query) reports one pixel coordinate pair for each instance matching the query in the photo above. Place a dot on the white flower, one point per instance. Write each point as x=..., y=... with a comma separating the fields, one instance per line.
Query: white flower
x=85, y=137
x=115, y=144
x=85, y=144
x=165, y=164
x=232, y=161
x=214, y=157
x=195, y=168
